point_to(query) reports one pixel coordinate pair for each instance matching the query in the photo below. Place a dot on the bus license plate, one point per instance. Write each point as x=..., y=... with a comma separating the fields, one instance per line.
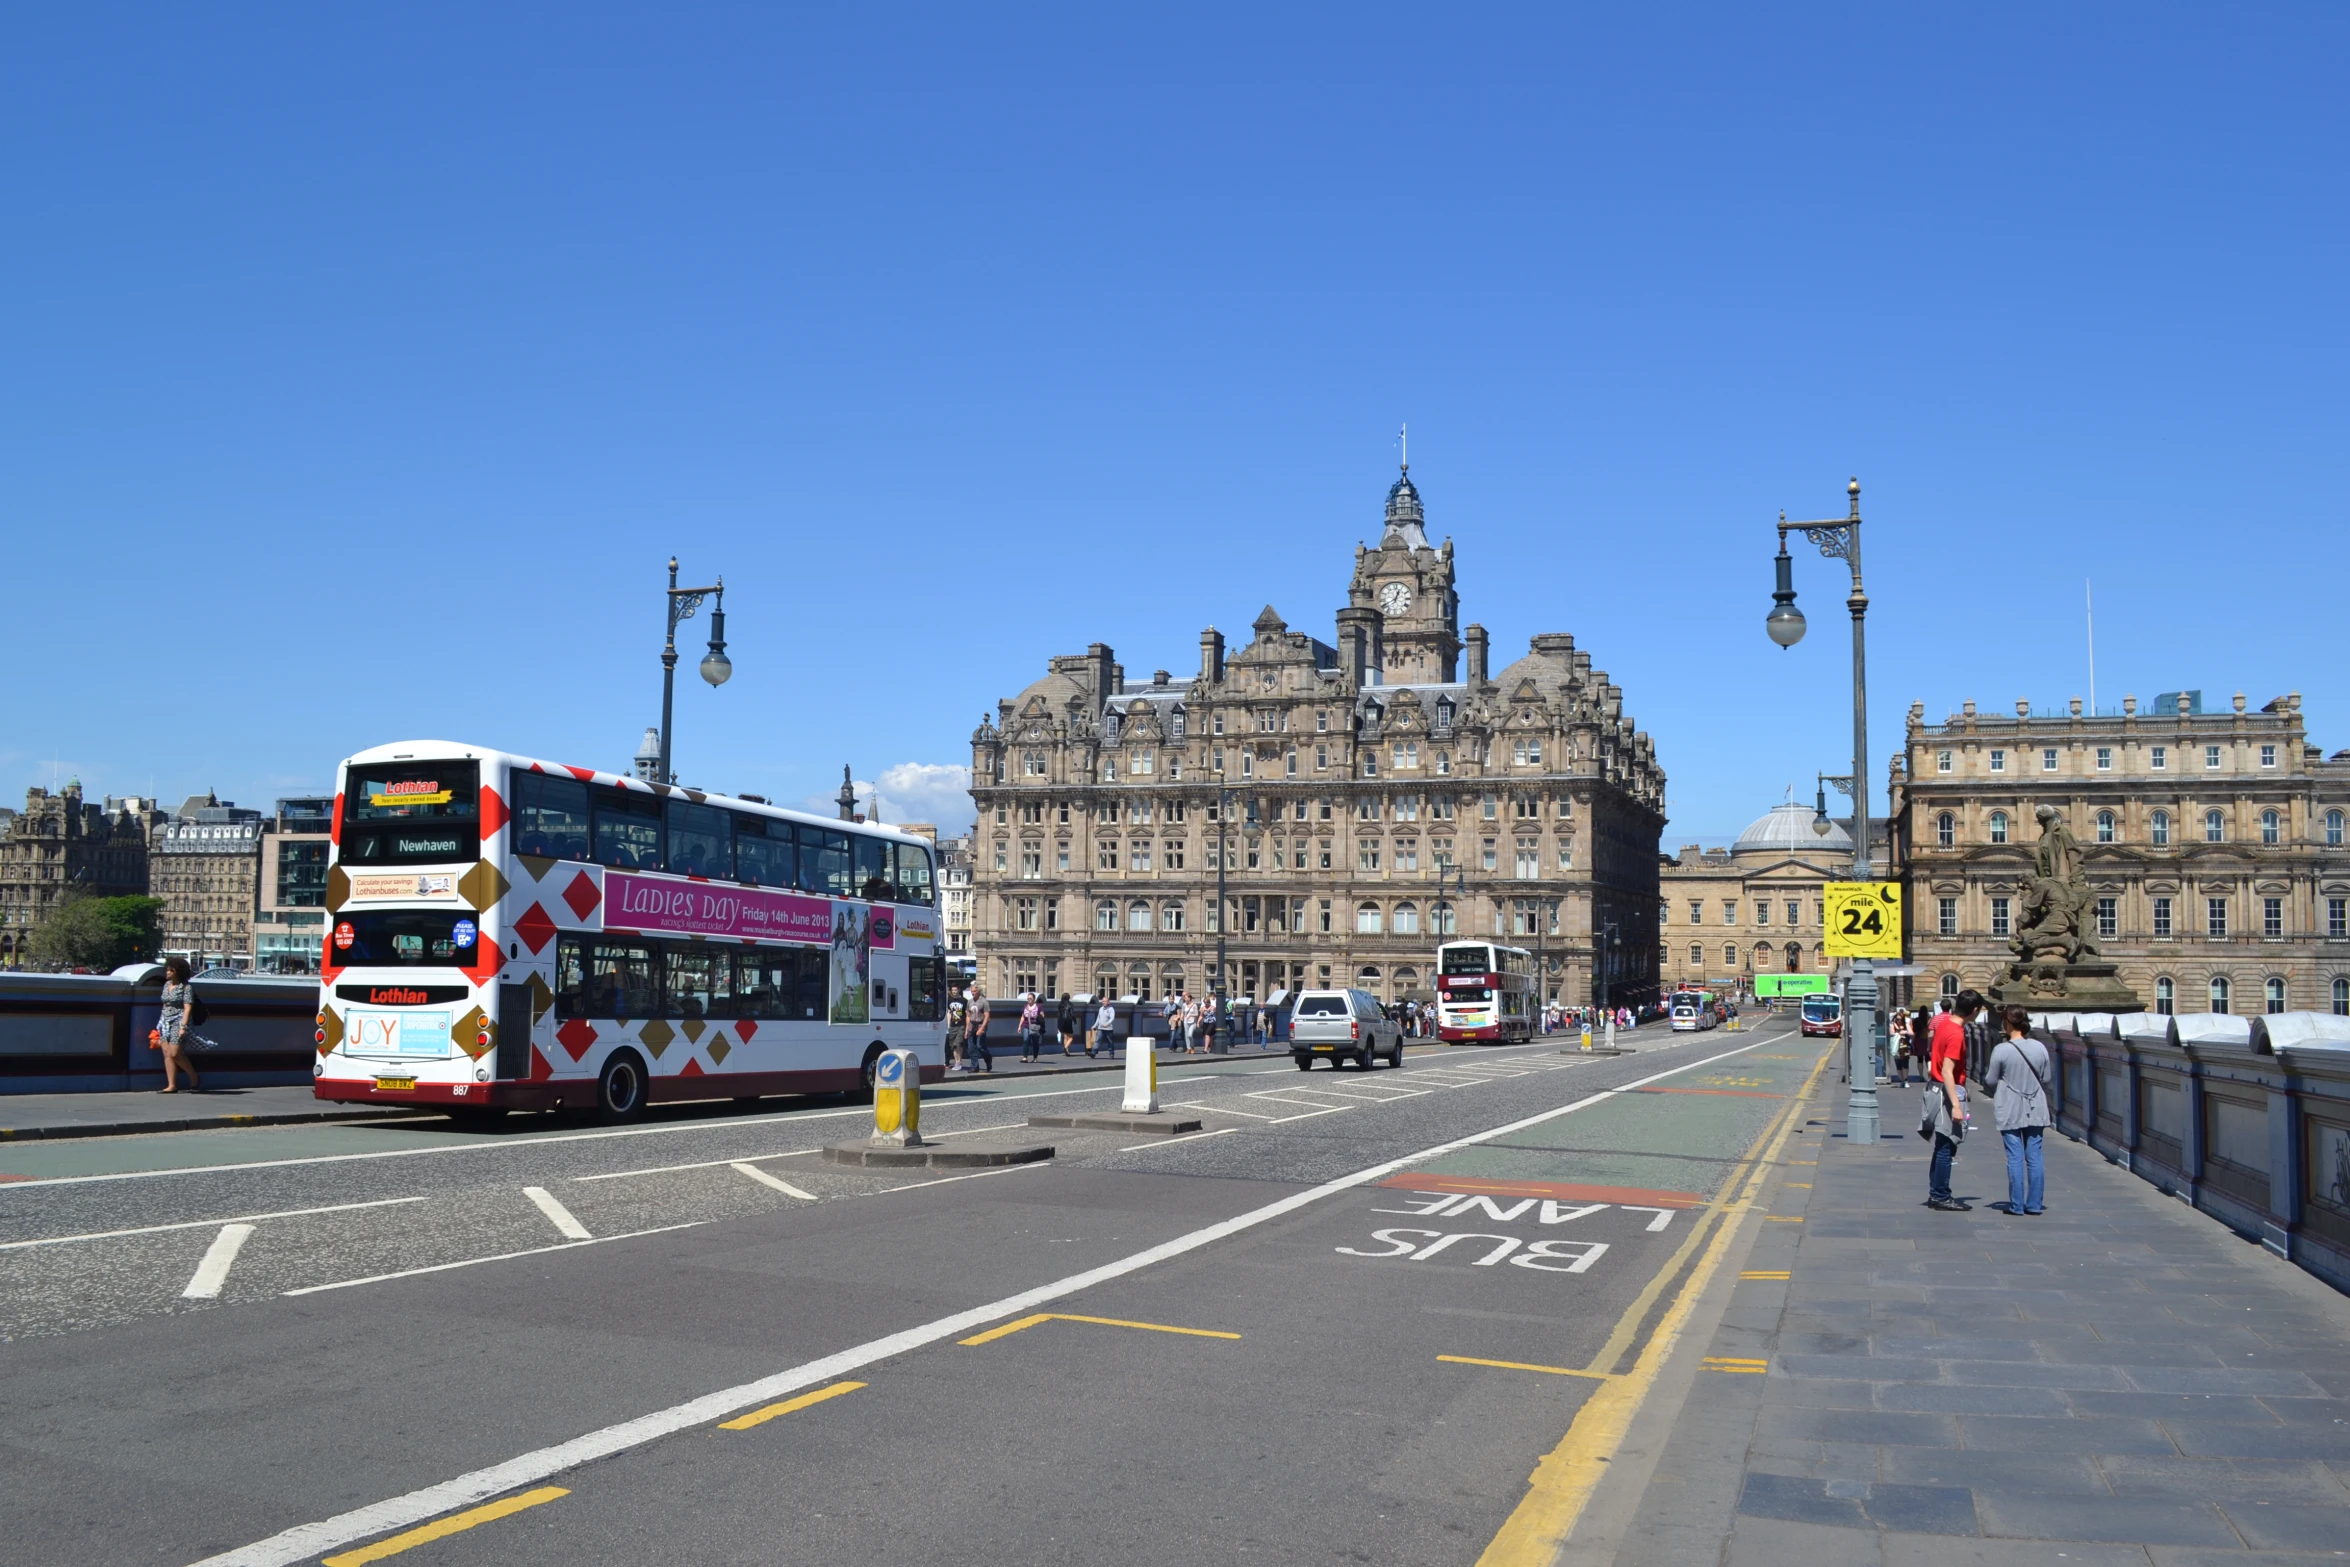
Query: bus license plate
x=395, y=1082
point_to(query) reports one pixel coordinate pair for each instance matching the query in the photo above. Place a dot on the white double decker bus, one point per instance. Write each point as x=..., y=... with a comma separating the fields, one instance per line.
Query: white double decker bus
x=504, y=933
x=1484, y=993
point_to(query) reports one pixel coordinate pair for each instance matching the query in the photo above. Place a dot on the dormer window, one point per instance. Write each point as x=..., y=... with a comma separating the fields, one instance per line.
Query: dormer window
x=1175, y=723
x=1444, y=715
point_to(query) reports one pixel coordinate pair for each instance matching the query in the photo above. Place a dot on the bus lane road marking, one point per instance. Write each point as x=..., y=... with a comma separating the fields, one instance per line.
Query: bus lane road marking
x=775, y=1181
x=302, y=1542
x=557, y=1215
x=212, y=1272
x=204, y=1224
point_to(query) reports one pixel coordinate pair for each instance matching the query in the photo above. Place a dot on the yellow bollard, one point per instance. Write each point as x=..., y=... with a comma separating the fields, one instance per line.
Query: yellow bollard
x=897, y=1100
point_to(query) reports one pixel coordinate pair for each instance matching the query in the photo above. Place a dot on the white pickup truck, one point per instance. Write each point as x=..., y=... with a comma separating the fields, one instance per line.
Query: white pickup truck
x=1343, y=1025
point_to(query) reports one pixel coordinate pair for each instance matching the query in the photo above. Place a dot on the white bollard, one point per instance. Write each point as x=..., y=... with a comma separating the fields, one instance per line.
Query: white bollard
x=897, y=1100
x=1142, y=1073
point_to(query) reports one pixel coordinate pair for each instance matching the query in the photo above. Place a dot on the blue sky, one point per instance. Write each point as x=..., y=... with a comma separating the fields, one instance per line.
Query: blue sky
x=363, y=370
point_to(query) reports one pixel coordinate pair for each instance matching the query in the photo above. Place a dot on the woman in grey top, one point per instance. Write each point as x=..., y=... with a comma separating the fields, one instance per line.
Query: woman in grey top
x=2017, y=1075
x=171, y=1028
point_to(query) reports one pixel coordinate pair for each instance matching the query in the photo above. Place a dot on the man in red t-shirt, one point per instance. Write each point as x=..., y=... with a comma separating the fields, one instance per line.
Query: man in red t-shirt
x=1946, y=1071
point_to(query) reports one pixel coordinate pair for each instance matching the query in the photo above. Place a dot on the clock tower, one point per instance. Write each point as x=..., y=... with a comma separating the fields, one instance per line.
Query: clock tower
x=1408, y=583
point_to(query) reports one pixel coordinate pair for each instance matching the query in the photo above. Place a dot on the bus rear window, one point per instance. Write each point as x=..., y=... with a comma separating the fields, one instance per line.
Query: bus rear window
x=405, y=938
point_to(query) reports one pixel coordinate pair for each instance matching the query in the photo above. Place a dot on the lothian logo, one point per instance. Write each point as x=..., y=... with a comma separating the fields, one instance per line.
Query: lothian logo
x=396, y=997
x=413, y=786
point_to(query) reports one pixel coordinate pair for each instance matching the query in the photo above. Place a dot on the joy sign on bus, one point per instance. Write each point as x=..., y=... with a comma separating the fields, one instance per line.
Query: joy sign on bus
x=1864, y=919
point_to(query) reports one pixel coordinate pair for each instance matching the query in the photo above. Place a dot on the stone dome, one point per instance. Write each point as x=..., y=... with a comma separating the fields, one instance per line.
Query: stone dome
x=1787, y=829
x=1405, y=518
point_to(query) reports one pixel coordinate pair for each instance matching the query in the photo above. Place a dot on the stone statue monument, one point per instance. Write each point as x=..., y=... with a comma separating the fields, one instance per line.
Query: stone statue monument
x=2058, y=965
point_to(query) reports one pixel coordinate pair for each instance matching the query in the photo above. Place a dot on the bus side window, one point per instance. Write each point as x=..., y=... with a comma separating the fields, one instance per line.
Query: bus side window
x=814, y=964
x=621, y=982
x=824, y=862
x=764, y=852
x=571, y=994
x=914, y=876
x=928, y=1001
x=550, y=815
x=876, y=869
x=628, y=830
x=699, y=842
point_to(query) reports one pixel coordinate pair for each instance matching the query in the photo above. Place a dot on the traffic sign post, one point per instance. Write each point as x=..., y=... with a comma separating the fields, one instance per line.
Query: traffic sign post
x=897, y=1100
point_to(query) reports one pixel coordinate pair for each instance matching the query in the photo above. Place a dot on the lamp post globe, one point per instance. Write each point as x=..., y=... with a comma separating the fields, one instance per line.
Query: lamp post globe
x=717, y=668
x=1785, y=624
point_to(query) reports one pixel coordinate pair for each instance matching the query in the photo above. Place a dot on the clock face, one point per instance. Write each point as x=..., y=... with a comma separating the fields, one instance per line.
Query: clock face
x=1395, y=598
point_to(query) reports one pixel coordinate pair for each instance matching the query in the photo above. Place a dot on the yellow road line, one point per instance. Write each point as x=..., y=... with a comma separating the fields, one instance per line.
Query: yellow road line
x=1805, y=1185
x=1753, y=1368
x=1520, y=1365
x=441, y=1528
x=1010, y=1328
x=790, y=1405
x=1764, y=1273
x=1784, y=1218
x=1562, y=1483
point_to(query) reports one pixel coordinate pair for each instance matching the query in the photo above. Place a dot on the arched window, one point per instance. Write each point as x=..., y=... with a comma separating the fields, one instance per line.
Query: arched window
x=1950, y=984
x=1367, y=919
x=1945, y=830
x=2272, y=827
x=1138, y=915
x=2166, y=996
x=2219, y=992
x=1441, y=920
x=1407, y=919
x=1999, y=827
x=2105, y=826
x=1170, y=916
x=1105, y=915
x=2215, y=827
x=1368, y=978
x=1795, y=957
x=2333, y=829
x=2160, y=829
x=2272, y=994
x=2342, y=998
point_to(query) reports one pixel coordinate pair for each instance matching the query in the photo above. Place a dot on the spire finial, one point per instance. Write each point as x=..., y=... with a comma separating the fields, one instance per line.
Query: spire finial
x=1403, y=445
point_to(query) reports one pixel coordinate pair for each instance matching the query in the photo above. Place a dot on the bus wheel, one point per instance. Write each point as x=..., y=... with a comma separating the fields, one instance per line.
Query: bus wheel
x=620, y=1092
x=865, y=1072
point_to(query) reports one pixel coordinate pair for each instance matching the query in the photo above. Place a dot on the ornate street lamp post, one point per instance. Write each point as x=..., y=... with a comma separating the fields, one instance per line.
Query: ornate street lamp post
x=717, y=668
x=1839, y=539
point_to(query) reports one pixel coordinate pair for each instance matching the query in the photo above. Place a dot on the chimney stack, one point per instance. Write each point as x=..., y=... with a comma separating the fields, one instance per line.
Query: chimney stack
x=1477, y=675
x=1211, y=656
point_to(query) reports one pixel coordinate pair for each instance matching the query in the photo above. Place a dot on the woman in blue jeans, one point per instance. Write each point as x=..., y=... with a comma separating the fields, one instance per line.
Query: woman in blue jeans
x=2018, y=1075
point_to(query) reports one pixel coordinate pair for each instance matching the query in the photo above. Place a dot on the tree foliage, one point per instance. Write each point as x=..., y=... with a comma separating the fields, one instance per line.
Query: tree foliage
x=98, y=933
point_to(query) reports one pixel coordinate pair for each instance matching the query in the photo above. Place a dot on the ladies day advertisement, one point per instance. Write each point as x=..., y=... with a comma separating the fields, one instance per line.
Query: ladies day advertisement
x=851, y=931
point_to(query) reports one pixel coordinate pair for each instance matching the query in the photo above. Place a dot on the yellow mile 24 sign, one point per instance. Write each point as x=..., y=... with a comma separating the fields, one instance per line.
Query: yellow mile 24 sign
x=1864, y=919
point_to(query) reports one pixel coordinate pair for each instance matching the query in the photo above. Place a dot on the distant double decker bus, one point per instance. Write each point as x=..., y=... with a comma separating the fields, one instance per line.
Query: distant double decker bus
x=1484, y=993
x=504, y=933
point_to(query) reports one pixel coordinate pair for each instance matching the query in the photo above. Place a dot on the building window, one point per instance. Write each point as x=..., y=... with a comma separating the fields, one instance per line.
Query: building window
x=2215, y=827
x=1024, y=914
x=1794, y=957
x=1490, y=855
x=1032, y=763
x=1999, y=827
x=1174, y=854
x=2048, y=759
x=1061, y=858
x=1138, y=916
x=1407, y=919
x=2166, y=997
x=2108, y=918
x=2216, y=916
x=2338, y=918
x=1138, y=856
x=2342, y=998
x=1105, y=855
x=2272, y=916
x=1370, y=764
x=1998, y=760
x=2105, y=826
x=1696, y=912
x=1945, y=916
x=1945, y=831
x=2162, y=916
x=1529, y=859
x=1052, y=914
x=2333, y=829
x=1441, y=920
x=1000, y=851
x=2211, y=758
x=2161, y=830
x=1999, y=925
x=2268, y=756
x=1031, y=861
x=1794, y=912
x=2273, y=994
x=1105, y=915
x=1366, y=854
x=2158, y=757
x=1368, y=921
x=1762, y=911
x=1696, y=956
x=1949, y=985
x=2105, y=758
x=2272, y=827
x=1170, y=916
x=1407, y=854
x=1941, y=761
x=1729, y=911
x=1289, y=762
x=2219, y=993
